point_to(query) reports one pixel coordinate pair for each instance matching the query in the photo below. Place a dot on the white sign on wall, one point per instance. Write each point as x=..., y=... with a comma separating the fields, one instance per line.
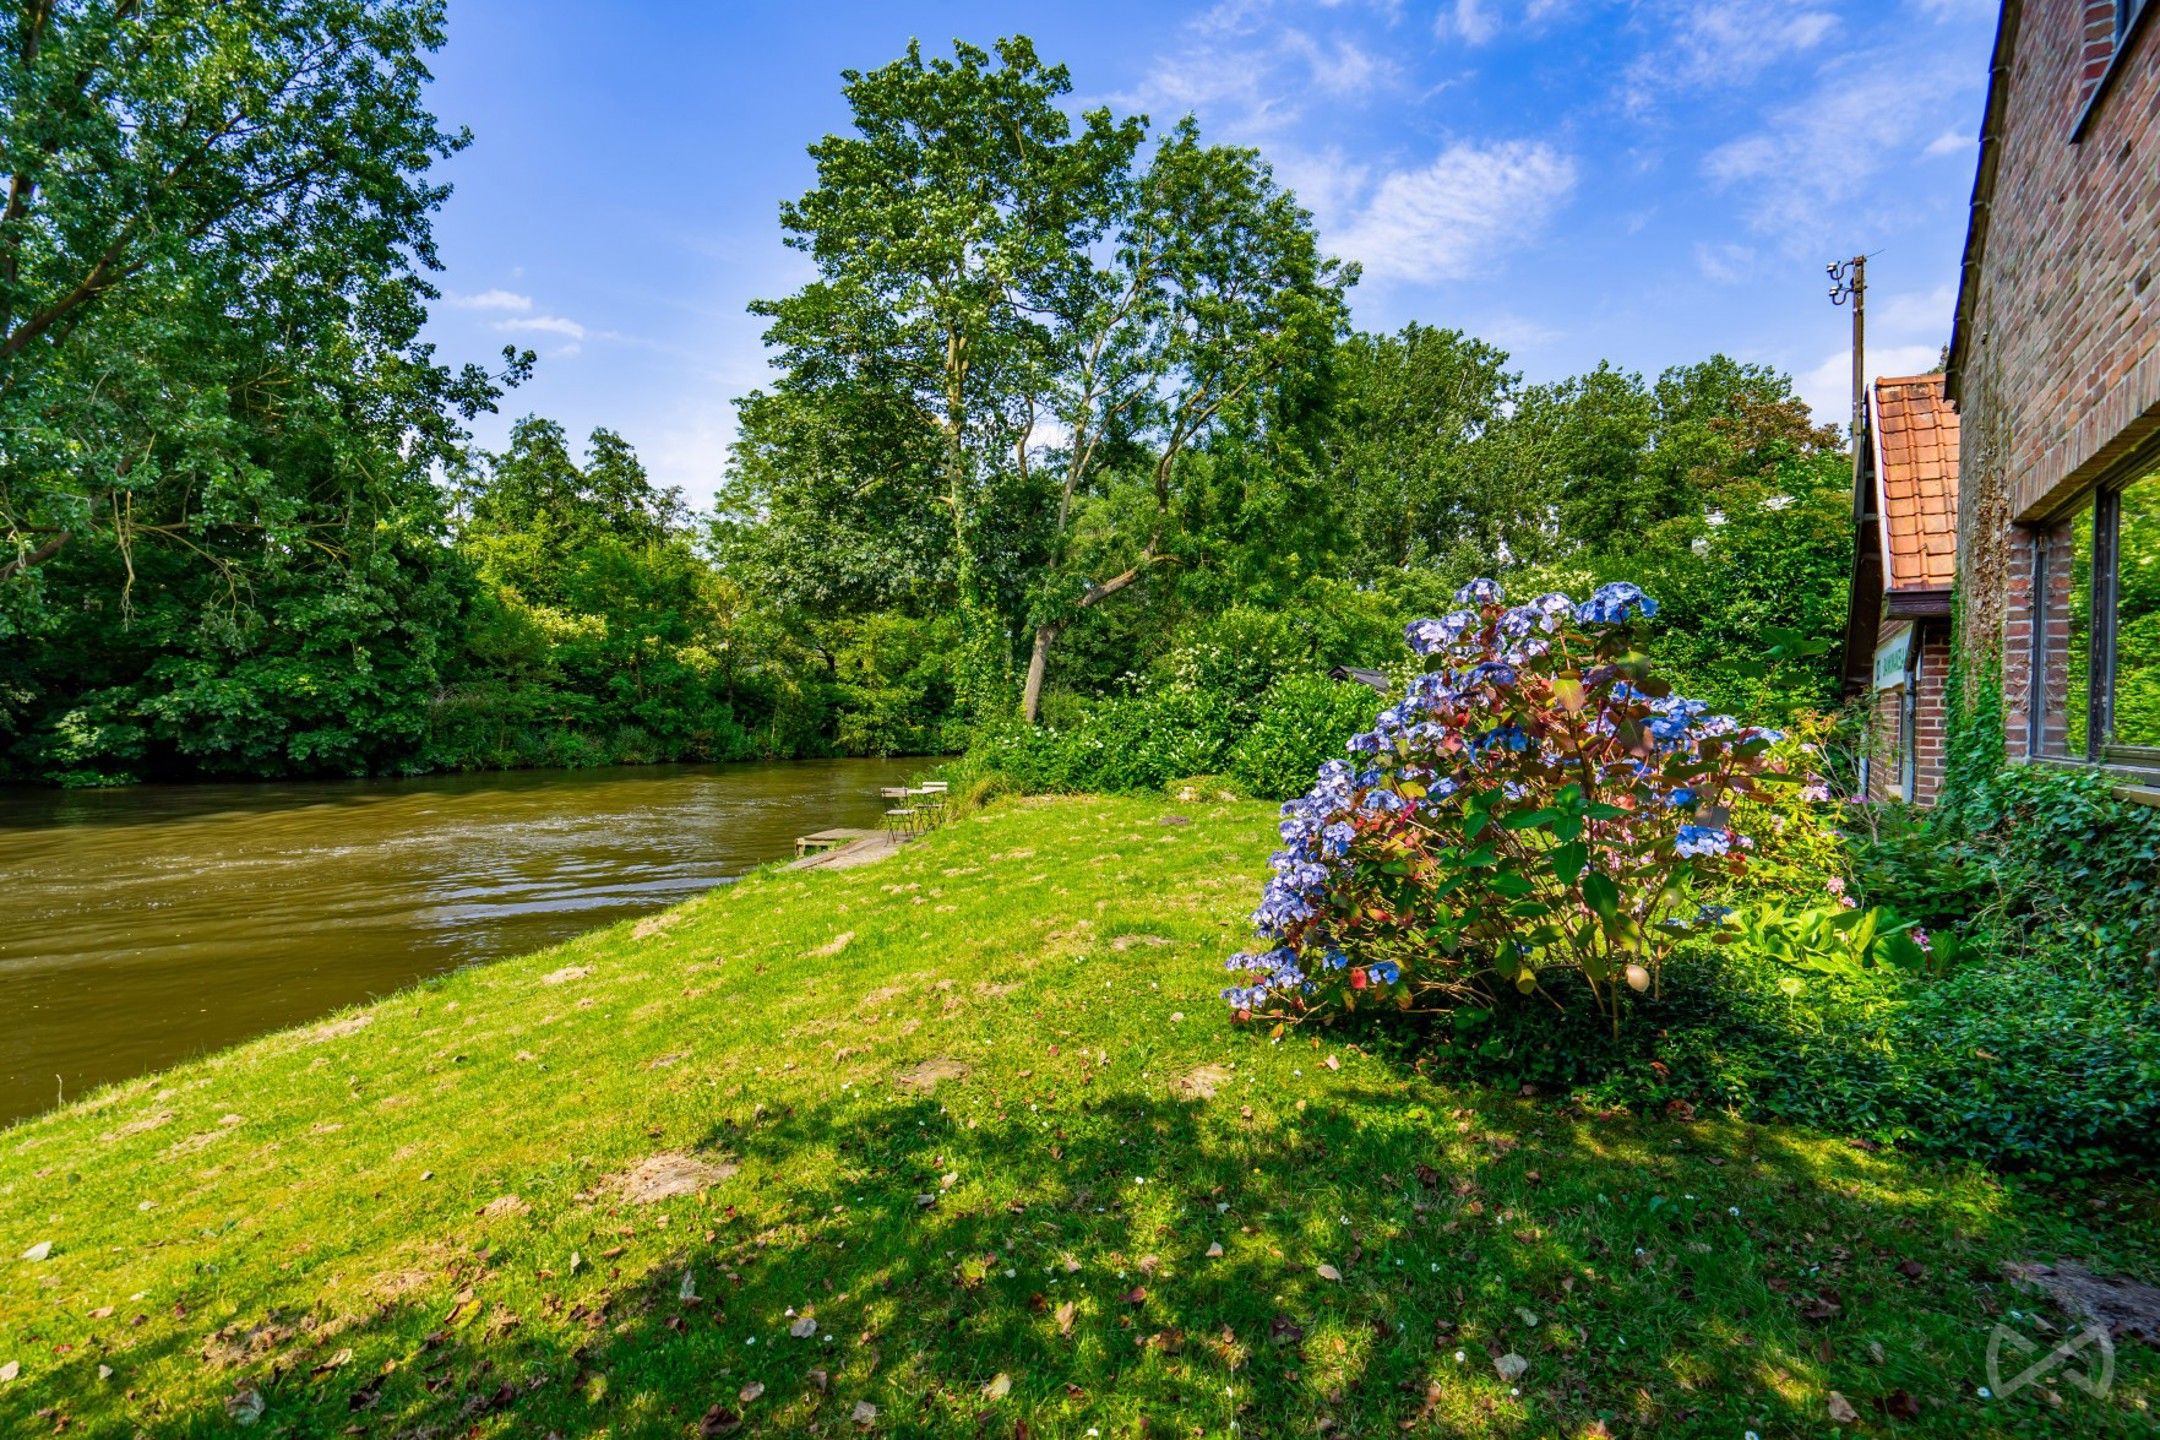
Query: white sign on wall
x=1890, y=657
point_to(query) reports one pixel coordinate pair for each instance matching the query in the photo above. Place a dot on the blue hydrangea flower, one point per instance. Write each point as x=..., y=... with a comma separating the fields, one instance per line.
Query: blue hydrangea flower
x=1481, y=591
x=1615, y=602
x=1552, y=605
x=1489, y=672
x=1430, y=637
x=1520, y=621
x=1425, y=637
x=1387, y=972
x=1385, y=802
x=1702, y=840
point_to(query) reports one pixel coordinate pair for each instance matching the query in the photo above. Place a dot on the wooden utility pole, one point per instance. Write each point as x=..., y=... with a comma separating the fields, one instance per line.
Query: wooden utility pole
x=1848, y=281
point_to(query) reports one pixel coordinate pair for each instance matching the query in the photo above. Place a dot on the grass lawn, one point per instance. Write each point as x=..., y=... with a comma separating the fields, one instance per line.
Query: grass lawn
x=965, y=1137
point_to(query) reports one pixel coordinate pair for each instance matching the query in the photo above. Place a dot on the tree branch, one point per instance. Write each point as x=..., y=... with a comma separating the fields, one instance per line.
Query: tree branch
x=24, y=564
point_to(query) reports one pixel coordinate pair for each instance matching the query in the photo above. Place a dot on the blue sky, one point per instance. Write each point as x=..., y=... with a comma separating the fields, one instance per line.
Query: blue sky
x=1645, y=181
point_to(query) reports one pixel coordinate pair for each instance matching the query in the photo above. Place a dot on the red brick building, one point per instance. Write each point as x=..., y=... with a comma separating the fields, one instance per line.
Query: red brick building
x=1897, y=638
x=2055, y=371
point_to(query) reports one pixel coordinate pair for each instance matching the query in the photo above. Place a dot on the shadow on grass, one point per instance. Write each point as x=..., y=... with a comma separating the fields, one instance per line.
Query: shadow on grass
x=939, y=1260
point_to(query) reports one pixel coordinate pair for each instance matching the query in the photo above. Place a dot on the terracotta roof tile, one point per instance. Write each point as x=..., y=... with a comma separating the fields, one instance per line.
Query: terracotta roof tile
x=1916, y=479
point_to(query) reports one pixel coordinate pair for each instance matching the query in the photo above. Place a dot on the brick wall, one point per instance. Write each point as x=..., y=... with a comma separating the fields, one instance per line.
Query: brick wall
x=2059, y=372
x=2051, y=621
x=1931, y=644
x=1884, y=738
x=1929, y=742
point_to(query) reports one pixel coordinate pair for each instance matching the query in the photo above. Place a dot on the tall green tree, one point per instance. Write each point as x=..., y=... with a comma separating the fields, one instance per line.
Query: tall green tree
x=174, y=167
x=1019, y=324
x=951, y=234
x=1216, y=315
x=597, y=632
x=219, y=542
x=1409, y=455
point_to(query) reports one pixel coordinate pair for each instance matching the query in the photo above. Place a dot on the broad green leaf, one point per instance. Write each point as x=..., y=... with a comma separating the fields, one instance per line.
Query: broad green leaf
x=1568, y=861
x=1600, y=894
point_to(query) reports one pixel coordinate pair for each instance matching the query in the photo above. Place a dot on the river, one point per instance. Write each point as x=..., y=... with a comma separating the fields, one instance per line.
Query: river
x=140, y=927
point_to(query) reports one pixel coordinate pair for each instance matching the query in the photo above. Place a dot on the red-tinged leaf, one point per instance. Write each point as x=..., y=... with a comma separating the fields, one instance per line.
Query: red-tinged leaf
x=1898, y=1405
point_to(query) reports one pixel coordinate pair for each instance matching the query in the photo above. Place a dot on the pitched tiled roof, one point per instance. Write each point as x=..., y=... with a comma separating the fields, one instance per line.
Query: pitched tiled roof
x=1916, y=481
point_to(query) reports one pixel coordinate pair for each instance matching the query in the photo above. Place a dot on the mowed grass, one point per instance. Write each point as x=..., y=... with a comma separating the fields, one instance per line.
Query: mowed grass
x=986, y=1122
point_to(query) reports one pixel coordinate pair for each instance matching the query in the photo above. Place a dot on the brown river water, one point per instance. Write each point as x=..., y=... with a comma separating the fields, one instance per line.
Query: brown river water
x=141, y=927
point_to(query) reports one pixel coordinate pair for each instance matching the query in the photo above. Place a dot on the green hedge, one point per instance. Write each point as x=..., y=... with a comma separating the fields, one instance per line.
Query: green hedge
x=1304, y=721
x=1269, y=746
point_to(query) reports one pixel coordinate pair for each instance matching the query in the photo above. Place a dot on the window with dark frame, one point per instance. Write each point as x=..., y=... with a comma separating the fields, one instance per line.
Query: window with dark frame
x=2104, y=706
x=2126, y=14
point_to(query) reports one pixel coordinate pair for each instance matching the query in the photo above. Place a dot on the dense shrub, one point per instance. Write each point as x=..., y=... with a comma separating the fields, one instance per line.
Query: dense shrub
x=1304, y=721
x=2033, y=856
x=1728, y=1032
x=2030, y=1062
x=2034, y=1060
x=1235, y=657
x=1137, y=742
x=1537, y=806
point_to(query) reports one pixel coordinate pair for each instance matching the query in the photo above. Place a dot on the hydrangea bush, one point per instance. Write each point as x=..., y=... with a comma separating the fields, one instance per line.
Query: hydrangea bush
x=1538, y=812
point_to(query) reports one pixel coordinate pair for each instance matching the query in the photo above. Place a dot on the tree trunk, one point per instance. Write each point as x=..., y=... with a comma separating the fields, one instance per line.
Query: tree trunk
x=1038, y=666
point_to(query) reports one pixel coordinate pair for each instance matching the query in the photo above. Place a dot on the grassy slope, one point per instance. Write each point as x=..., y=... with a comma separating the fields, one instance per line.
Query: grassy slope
x=238, y=1223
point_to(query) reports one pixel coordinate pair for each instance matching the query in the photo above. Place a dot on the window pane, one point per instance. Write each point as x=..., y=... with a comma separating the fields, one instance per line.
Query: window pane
x=2077, y=650
x=2137, y=617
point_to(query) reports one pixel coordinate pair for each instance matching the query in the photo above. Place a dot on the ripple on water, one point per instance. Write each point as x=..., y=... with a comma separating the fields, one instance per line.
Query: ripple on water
x=140, y=927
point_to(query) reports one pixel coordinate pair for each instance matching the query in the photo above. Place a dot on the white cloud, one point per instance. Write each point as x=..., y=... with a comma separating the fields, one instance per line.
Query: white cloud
x=1726, y=263
x=1707, y=44
x=1326, y=182
x=1814, y=161
x=1468, y=20
x=493, y=300
x=692, y=452
x=542, y=324
x=1914, y=315
x=1828, y=387
x=1950, y=142
x=1448, y=220
x=1341, y=67
x=1251, y=78
x=519, y=315
x=1512, y=332
x=1478, y=22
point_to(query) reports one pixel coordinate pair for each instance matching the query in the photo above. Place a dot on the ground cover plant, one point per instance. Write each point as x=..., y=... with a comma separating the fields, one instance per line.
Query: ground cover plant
x=962, y=1143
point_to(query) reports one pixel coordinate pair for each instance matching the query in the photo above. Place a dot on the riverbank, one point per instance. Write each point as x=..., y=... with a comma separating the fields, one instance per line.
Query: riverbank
x=143, y=927
x=961, y=1141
